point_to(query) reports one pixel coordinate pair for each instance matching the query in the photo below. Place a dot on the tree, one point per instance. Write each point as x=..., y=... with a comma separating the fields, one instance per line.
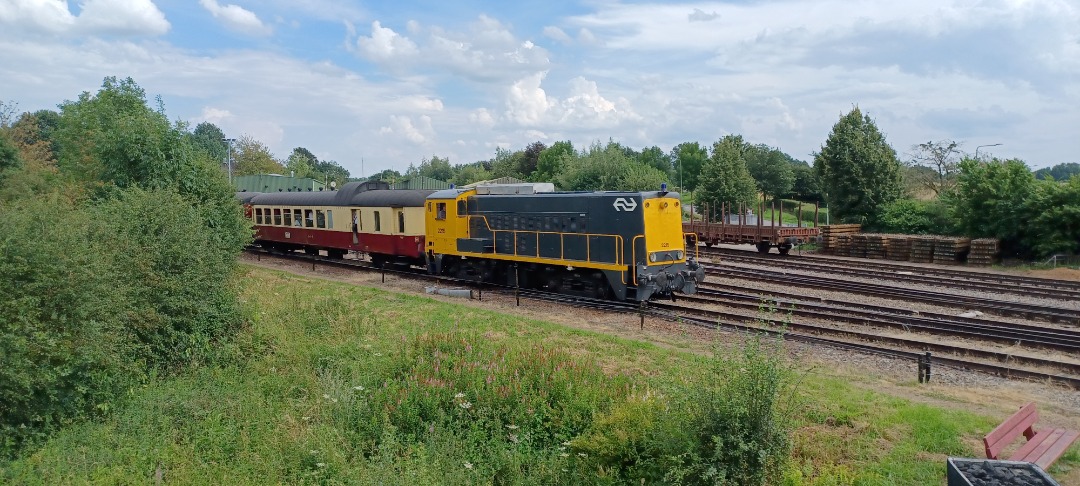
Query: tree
x=607, y=168
x=806, y=186
x=771, y=170
x=436, y=168
x=299, y=166
x=209, y=138
x=655, y=158
x=858, y=170
x=725, y=178
x=470, y=173
x=530, y=159
x=551, y=161
x=989, y=200
x=1060, y=172
x=9, y=155
x=330, y=170
x=689, y=158
x=251, y=157
x=388, y=175
x=1053, y=218
x=942, y=159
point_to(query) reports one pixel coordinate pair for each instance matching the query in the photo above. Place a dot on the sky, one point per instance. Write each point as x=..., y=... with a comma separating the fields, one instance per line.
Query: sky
x=382, y=85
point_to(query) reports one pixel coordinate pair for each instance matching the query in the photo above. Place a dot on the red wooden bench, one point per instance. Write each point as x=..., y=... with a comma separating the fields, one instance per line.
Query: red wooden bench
x=1042, y=448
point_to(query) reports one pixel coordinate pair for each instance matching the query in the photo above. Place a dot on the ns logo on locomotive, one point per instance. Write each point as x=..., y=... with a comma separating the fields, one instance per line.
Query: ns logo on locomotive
x=621, y=245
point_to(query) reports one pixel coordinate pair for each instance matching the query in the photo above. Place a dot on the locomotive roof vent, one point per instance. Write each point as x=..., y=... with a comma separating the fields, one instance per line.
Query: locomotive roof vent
x=523, y=188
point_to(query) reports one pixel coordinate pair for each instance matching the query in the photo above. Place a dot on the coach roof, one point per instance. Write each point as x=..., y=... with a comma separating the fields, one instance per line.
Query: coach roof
x=364, y=194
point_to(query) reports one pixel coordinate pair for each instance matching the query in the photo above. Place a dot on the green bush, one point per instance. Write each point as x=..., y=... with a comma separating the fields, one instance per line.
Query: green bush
x=739, y=420
x=100, y=294
x=911, y=216
x=64, y=354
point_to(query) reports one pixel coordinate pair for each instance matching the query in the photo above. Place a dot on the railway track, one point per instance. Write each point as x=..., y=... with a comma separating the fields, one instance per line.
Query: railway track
x=1022, y=285
x=851, y=340
x=994, y=306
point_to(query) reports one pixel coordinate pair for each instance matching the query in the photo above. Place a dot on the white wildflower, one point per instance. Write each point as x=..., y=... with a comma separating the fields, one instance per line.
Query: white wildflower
x=468, y=465
x=320, y=464
x=566, y=443
x=306, y=418
x=514, y=438
x=378, y=354
x=512, y=427
x=582, y=454
x=358, y=388
x=564, y=455
x=325, y=396
x=314, y=451
x=466, y=405
x=459, y=395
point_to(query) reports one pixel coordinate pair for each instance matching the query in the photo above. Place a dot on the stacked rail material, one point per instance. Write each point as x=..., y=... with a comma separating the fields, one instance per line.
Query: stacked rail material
x=984, y=252
x=876, y=246
x=858, y=246
x=951, y=251
x=831, y=232
x=843, y=245
x=899, y=248
x=922, y=249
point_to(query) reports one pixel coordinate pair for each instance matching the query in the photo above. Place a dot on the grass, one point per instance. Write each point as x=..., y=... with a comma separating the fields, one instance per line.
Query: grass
x=336, y=384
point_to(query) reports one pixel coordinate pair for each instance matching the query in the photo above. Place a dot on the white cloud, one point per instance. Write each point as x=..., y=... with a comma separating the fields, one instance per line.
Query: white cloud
x=215, y=115
x=385, y=44
x=486, y=52
x=237, y=18
x=108, y=17
x=699, y=15
x=557, y=34
x=482, y=117
x=585, y=36
x=402, y=127
x=527, y=103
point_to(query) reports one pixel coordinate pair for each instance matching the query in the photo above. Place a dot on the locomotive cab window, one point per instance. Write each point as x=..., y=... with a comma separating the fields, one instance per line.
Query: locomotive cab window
x=320, y=219
x=440, y=212
x=277, y=217
x=461, y=208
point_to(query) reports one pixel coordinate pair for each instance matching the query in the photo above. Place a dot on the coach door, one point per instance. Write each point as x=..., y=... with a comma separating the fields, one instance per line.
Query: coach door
x=355, y=226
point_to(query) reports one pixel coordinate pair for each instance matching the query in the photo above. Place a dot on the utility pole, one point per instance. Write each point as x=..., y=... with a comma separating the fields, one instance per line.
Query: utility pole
x=229, y=142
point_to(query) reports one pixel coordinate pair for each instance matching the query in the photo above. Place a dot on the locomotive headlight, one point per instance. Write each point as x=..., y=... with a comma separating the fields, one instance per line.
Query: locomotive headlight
x=678, y=254
x=652, y=257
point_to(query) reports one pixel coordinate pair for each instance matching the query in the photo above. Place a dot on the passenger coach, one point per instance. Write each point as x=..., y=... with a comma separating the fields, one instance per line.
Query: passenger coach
x=363, y=217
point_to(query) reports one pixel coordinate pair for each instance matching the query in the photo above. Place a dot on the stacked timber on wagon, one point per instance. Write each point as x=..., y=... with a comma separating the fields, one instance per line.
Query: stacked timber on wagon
x=984, y=252
x=835, y=236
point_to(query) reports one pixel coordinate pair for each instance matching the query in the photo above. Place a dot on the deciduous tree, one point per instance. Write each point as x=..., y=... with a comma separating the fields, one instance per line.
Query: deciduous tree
x=252, y=157
x=858, y=169
x=942, y=158
x=725, y=178
x=688, y=158
x=771, y=170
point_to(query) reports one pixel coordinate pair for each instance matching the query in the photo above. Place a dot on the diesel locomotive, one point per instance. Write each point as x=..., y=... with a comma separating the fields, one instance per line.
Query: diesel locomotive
x=618, y=245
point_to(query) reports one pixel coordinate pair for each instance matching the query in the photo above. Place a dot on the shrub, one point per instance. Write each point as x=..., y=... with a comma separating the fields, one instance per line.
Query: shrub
x=63, y=353
x=911, y=216
x=739, y=424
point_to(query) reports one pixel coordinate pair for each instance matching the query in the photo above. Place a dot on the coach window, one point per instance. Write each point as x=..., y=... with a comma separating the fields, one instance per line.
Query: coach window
x=378, y=222
x=401, y=221
x=277, y=217
x=258, y=215
x=298, y=217
x=309, y=217
x=286, y=217
x=440, y=211
x=330, y=218
x=320, y=219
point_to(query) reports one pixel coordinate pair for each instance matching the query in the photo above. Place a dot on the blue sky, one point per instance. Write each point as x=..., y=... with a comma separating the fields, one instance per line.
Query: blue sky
x=376, y=85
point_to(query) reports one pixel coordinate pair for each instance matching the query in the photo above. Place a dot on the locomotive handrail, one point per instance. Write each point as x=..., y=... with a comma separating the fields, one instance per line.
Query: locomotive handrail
x=695, y=242
x=619, y=254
